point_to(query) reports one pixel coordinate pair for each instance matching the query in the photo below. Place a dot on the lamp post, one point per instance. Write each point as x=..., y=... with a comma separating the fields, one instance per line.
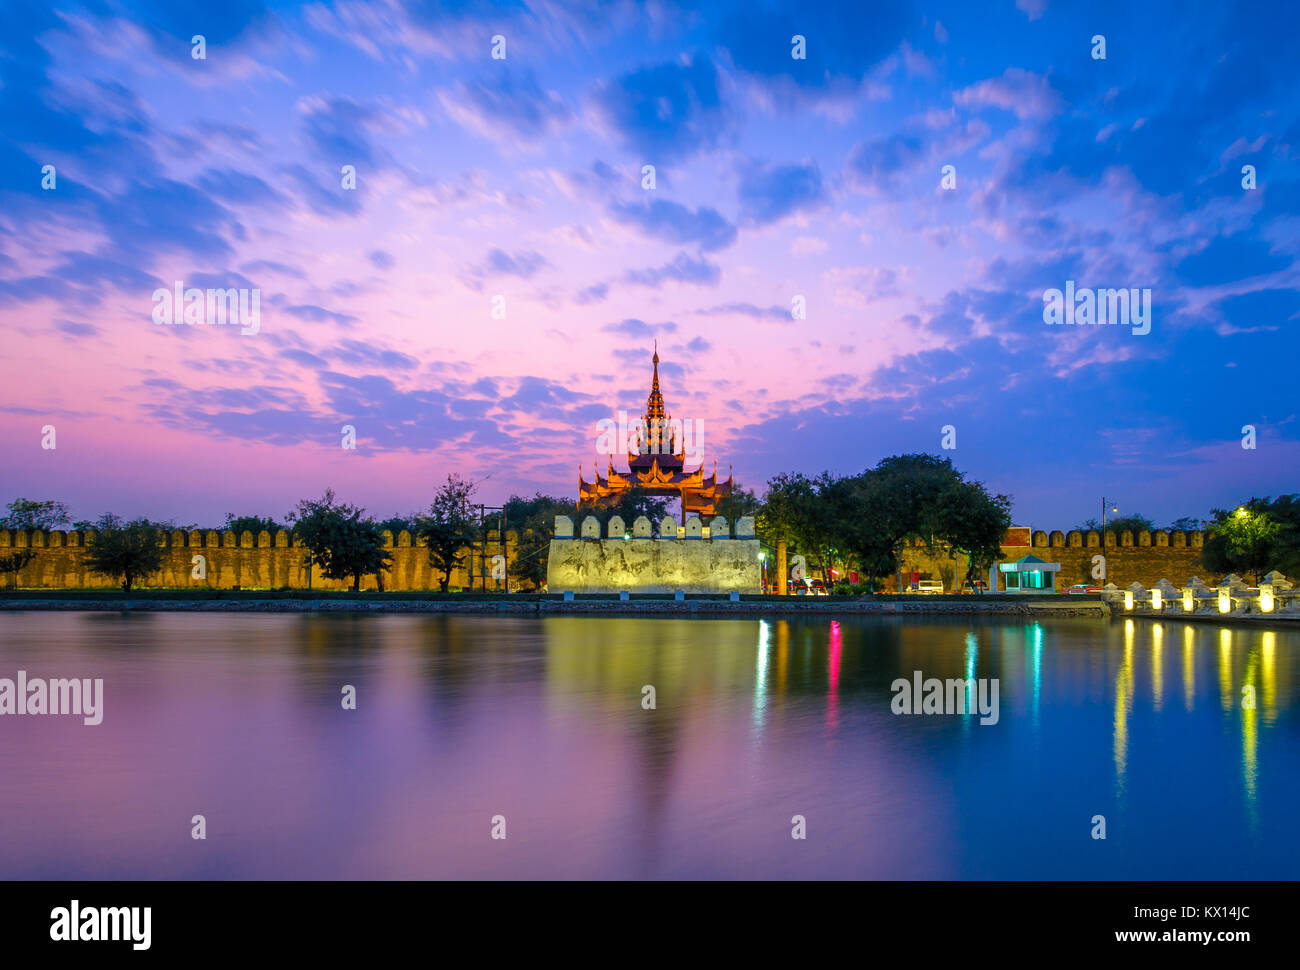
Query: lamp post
x=1103, y=519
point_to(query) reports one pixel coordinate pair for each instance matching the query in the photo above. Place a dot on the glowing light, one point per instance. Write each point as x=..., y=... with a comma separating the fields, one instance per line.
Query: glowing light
x=1225, y=601
x=1123, y=702
x=760, y=673
x=1156, y=599
x=1189, y=603
x=1226, y=697
x=972, y=654
x=836, y=647
x=1241, y=512
x=1158, y=664
x=1266, y=599
x=1128, y=599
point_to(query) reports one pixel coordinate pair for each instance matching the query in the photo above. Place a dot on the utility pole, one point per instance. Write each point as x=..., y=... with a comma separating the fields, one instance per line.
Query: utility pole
x=483, y=557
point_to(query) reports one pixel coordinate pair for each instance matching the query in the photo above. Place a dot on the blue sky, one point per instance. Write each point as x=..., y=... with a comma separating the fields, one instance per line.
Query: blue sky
x=521, y=178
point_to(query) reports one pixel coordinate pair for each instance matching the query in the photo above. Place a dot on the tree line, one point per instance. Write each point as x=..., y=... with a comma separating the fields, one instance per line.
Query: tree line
x=839, y=523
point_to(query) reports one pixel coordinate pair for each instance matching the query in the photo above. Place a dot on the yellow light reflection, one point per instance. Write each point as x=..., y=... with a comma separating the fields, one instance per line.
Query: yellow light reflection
x=760, y=672
x=782, y=654
x=1123, y=702
x=1250, y=736
x=1189, y=666
x=1157, y=664
x=1225, y=669
x=1268, y=673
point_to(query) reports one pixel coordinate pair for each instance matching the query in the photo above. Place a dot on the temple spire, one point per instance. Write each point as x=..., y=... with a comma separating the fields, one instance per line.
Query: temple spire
x=654, y=405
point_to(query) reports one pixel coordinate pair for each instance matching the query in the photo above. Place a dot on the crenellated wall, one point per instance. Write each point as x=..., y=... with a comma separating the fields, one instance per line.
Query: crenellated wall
x=1146, y=557
x=692, y=558
x=248, y=561
x=264, y=561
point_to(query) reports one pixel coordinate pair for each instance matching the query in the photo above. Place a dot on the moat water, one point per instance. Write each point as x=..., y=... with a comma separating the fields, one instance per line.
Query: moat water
x=459, y=719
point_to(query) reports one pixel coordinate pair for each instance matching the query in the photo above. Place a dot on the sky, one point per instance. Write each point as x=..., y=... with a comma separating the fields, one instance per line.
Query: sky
x=495, y=279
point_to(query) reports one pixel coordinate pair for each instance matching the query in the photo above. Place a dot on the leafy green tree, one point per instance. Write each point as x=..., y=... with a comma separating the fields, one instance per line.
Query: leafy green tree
x=740, y=503
x=31, y=514
x=131, y=550
x=399, y=523
x=106, y=521
x=339, y=540
x=251, y=523
x=971, y=522
x=1120, y=524
x=1187, y=523
x=788, y=510
x=533, y=519
x=447, y=528
x=16, y=562
x=1254, y=538
x=871, y=514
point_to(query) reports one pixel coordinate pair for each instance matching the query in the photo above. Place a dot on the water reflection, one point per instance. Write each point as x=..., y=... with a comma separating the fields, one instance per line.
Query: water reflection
x=543, y=720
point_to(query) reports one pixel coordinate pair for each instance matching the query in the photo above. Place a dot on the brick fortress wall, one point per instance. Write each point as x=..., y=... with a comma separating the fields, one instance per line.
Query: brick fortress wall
x=1145, y=558
x=248, y=561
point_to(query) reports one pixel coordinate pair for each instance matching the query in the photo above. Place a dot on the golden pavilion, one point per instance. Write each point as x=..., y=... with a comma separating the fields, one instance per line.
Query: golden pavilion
x=657, y=466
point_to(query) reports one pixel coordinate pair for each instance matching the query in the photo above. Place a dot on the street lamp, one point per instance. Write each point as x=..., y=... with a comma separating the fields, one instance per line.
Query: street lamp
x=1103, y=518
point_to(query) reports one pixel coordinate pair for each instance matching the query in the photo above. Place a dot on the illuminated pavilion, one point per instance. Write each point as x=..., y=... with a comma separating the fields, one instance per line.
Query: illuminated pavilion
x=657, y=466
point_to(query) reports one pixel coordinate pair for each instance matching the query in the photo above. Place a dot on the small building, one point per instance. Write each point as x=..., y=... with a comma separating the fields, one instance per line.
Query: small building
x=1027, y=575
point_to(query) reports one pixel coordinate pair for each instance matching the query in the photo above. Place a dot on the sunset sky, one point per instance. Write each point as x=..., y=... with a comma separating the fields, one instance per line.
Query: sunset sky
x=521, y=177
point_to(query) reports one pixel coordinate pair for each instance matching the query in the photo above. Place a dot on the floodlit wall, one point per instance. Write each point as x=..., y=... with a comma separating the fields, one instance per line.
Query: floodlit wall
x=248, y=561
x=693, y=559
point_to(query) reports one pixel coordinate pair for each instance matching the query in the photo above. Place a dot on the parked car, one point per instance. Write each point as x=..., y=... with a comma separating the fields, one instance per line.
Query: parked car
x=813, y=587
x=1081, y=589
x=926, y=586
x=975, y=586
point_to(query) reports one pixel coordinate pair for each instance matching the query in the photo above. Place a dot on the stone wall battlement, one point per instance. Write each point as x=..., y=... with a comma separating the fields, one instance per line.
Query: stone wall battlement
x=667, y=528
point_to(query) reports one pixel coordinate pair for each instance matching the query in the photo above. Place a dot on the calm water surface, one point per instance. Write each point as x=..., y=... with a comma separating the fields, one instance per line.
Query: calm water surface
x=238, y=718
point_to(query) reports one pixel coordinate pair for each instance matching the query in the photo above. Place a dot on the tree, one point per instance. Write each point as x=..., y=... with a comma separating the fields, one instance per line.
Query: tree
x=130, y=550
x=788, y=509
x=1188, y=523
x=251, y=523
x=16, y=562
x=533, y=519
x=785, y=517
x=398, y=524
x=29, y=514
x=971, y=522
x=339, y=540
x=447, y=528
x=871, y=516
x=1125, y=523
x=737, y=505
x=1254, y=538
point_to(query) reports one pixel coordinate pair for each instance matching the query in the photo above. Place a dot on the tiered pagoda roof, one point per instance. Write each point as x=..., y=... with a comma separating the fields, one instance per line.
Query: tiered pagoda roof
x=656, y=464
